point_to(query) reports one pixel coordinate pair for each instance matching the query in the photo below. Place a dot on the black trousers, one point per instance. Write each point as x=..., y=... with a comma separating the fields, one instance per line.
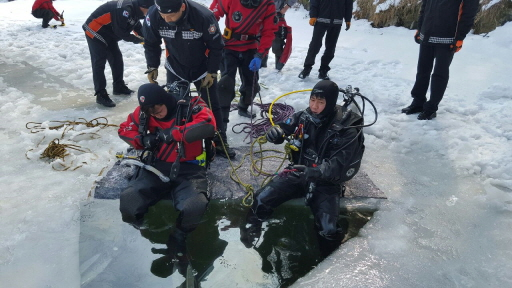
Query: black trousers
x=442, y=56
x=209, y=95
x=44, y=14
x=189, y=193
x=325, y=203
x=331, y=38
x=100, y=54
x=239, y=61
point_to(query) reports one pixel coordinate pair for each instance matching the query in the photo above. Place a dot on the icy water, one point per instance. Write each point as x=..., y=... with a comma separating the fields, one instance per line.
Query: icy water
x=113, y=254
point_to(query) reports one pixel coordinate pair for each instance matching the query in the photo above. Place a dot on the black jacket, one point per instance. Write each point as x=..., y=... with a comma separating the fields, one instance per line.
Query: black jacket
x=331, y=12
x=194, y=45
x=114, y=21
x=446, y=21
x=327, y=145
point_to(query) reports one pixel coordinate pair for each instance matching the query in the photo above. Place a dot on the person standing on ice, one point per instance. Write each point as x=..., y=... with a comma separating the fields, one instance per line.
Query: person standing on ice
x=173, y=131
x=326, y=16
x=248, y=36
x=329, y=152
x=193, y=45
x=108, y=24
x=282, y=44
x=43, y=9
x=442, y=27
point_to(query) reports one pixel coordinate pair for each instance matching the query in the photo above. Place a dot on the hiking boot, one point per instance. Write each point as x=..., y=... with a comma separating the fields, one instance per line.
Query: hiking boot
x=245, y=113
x=103, y=99
x=322, y=74
x=122, y=89
x=304, y=73
x=412, y=109
x=279, y=66
x=219, y=150
x=427, y=115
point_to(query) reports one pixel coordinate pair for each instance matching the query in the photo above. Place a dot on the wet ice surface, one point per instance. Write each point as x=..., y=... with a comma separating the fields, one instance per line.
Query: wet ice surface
x=437, y=240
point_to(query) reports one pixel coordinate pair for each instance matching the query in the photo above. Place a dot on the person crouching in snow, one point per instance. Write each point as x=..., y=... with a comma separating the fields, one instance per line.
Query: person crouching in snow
x=43, y=9
x=156, y=126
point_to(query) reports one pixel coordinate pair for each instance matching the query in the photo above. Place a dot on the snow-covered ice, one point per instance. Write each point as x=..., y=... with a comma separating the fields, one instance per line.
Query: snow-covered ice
x=447, y=220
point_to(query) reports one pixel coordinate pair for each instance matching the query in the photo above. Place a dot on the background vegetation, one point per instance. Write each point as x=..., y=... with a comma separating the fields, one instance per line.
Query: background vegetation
x=384, y=13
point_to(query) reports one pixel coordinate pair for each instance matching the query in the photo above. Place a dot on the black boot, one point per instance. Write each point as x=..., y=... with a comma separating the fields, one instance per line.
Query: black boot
x=322, y=74
x=305, y=72
x=103, y=99
x=120, y=88
x=219, y=147
x=245, y=113
x=427, y=115
x=411, y=109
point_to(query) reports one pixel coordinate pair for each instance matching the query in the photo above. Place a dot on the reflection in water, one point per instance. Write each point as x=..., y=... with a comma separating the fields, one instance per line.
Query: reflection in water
x=288, y=247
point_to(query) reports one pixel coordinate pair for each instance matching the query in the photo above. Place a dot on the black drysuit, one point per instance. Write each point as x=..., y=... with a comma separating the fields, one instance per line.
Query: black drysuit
x=325, y=145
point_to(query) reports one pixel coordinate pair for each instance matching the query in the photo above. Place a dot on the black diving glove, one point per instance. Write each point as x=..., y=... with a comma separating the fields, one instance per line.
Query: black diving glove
x=165, y=135
x=150, y=141
x=308, y=173
x=275, y=135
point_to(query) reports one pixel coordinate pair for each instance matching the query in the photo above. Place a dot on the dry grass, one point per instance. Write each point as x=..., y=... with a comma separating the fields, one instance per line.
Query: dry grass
x=405, y=13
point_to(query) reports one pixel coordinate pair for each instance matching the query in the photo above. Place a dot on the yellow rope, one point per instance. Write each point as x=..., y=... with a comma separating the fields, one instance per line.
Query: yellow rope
x=36, y=127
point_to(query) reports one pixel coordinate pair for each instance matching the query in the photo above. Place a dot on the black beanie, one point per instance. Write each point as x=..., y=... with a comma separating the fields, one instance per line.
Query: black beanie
x=329, y=91
x=145, y=3
x=151, y=94
x=168, y=6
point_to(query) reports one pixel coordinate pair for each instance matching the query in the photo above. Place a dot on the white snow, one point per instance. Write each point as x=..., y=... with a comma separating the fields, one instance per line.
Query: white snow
x=447, y=222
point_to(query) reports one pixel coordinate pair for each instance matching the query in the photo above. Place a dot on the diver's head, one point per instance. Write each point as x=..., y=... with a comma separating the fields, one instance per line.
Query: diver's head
x=322, y=101
x=155, y=101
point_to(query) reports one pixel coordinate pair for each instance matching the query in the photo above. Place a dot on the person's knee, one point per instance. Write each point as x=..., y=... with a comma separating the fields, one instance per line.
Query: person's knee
x=192, y=210
x=130, y=206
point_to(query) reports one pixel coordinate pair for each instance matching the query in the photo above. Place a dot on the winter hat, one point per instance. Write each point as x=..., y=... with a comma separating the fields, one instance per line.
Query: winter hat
x=145, y=3
x=168, y=6
x=329, y=91
x=151, y=94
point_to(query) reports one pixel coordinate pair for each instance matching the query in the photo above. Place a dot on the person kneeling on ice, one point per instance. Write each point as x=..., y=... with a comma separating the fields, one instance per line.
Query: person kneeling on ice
x=329, y=146
x=173, y=132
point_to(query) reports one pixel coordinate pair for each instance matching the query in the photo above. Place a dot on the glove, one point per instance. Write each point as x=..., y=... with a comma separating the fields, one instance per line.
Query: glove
x=152, y=74
x=348, y=26
x=255, y=64
x=208, y=80
x=165, y=135
x=308, y=173
x=417, y=37
x=458, y=45
x=275, y=135
x=149, y=141
x=312, y=21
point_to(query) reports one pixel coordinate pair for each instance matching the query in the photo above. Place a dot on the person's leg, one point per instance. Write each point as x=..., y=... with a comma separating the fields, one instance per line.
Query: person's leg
x=325, y=205
x=440, y=77
x=249, y=86
x=331, y=39
x=45, y=15
x=144, y=191
x=424, y=68
x=315, y=45
x=190, y=196
x=99, y=56
x=276, y=192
